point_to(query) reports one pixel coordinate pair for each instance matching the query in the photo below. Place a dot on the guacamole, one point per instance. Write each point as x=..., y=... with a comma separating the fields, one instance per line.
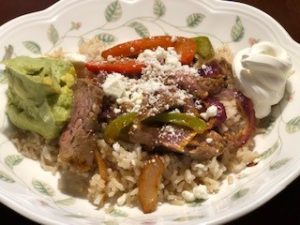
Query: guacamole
x=40, y=94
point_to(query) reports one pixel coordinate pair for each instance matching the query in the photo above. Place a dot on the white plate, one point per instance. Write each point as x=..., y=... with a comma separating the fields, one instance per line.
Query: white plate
x=32, y=192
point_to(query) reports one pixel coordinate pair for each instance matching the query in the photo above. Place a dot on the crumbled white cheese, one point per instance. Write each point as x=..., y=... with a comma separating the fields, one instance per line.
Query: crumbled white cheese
x=110, y=58
x=151, y=86
x=175, y=111
x=173, y=38
x=117, y=110
x=203, y=66
x=211, y=111
x=160, y=64
x=188, y=70
x=116, y=146
x=167, y=131
x=209, y=140
x=188, y=196
x=114, y=85
x=172, y=59
x=198, y=104
x=200, y=192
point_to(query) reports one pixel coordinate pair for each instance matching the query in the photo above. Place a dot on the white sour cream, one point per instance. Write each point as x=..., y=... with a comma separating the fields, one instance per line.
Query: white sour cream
x=261, y=73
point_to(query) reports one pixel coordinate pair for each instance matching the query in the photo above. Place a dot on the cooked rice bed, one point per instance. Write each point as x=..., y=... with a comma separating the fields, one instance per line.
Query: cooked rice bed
x=181, y=174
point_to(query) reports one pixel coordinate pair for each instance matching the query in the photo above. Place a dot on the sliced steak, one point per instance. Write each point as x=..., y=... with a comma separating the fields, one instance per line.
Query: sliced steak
x=180, y=140
x=206, y=146
x=78, y=141
x=144, y=135
x=108, y=112
x=159, y=102
x=198, y=86
x=170, y=137
x=174, y=138
x=216, y=68
x=212, y=78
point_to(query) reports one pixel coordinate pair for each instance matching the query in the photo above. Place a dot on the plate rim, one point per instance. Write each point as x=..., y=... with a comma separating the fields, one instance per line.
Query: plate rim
x=281, y=35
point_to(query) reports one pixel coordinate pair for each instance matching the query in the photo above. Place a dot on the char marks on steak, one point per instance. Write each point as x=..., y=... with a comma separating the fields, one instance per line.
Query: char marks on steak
x=206, y=146
x=143, y=134
x=179, y=140
x=198, y=86
x=158, y=102
x=78, y=142
x=211, y=80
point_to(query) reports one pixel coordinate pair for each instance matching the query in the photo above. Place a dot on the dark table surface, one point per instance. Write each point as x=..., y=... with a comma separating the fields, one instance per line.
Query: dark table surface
x=282, y=209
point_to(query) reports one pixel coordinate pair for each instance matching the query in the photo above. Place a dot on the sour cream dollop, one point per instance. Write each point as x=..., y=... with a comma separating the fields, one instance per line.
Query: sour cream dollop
x=261, y=73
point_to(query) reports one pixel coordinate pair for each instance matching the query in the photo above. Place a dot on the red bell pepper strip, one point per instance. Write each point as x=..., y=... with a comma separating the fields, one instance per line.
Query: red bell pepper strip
x=185, y=47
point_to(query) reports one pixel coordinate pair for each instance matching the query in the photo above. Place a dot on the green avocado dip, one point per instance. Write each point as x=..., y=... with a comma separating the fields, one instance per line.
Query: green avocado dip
x=39, y=94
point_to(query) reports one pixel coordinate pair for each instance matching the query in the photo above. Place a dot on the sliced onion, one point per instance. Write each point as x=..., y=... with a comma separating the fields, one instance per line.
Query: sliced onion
x=246, y=107
x=149, y=182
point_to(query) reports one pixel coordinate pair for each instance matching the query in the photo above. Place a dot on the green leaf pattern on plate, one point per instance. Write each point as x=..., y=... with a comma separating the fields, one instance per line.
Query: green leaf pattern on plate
x=270, y=150
x=53, y=35
x=32, y=47
x=140, y=29
x=159, y=8
x=196, y=203
x=194, y=19
x=106, y=38
x=80, y=41
x=110, y=222
x=8, y=52
x=75, y=216
x=66, y=201
x=276, y=165
x=117, y=212
x=43, y=187
x=293, y=125
x=12, y=160
x=187, y=218
x=2, y=77
x=239, y=194
x=238, y=30
x=113, y=11
x=5, y=177
x=75, y=25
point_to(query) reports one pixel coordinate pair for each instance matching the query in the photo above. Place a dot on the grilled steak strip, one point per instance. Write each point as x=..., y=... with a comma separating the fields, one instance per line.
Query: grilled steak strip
x=180, y=140
x=78, y=142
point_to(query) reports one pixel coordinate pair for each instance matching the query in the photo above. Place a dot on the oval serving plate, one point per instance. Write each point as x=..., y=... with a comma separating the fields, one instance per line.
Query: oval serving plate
x=33, y=192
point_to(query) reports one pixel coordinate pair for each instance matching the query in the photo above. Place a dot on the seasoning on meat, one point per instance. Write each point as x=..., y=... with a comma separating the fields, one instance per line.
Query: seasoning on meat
x=78, y=141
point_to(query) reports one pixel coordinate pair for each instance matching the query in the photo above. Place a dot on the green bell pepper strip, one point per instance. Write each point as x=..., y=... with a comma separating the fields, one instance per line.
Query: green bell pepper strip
x=114, y=127
x=204, y=47
x=181, y=119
